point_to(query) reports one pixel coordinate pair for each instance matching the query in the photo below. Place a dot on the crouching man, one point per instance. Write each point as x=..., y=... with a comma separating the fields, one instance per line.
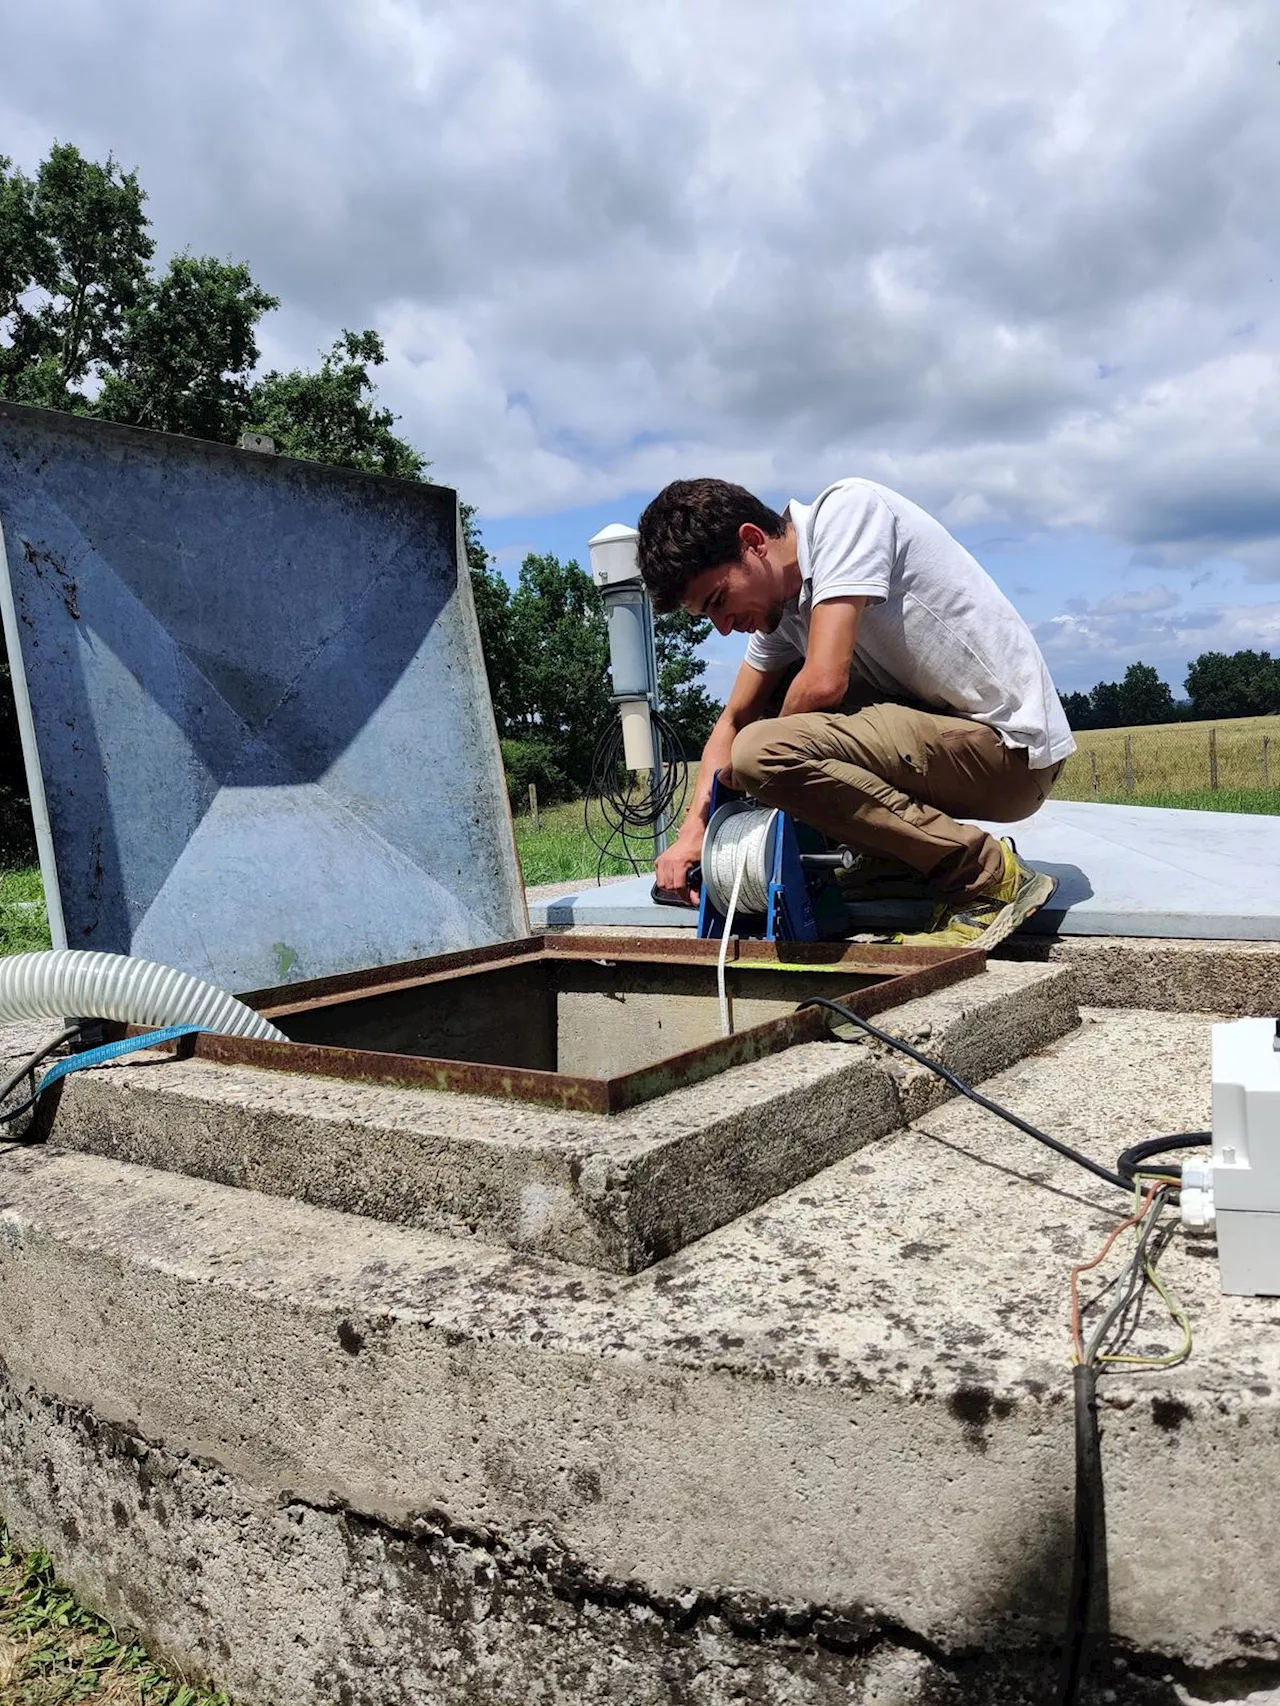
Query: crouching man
x=922, y=696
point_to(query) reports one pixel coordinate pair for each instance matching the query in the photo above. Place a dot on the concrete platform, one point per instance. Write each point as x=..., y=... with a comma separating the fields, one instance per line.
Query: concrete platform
x=1121, y=870
x=822, y=1455
x=616, y=1192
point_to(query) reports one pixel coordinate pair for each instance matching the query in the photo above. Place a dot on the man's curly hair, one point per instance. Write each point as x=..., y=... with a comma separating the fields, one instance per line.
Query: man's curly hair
x=692, y=526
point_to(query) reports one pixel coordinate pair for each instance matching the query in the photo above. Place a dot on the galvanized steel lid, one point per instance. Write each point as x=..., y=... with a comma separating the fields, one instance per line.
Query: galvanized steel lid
x=254, y=706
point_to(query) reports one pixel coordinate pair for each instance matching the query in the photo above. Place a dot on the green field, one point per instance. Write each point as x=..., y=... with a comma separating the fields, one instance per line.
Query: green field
x=1170, y=763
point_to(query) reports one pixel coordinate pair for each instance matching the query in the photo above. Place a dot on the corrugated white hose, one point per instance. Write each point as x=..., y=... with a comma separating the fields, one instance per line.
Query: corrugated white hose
x=68, y=982
x=736, y=858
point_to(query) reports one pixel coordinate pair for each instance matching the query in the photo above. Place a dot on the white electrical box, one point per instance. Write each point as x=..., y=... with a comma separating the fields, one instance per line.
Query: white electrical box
x=1237, y=1189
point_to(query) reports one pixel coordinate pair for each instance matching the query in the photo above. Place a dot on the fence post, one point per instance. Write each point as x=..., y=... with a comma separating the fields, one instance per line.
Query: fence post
x=1213, y=758
x=533, y=804
x=1128, y=764
x=1093, y=773
x=1266, y=761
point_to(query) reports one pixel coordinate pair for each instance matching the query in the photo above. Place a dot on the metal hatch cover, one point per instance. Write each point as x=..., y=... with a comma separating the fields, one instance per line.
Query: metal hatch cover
x=255, y=717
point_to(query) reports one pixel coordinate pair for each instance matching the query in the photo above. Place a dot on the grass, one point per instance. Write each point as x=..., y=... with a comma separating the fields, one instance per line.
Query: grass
x=1266, y=800
x=1168, y=762
x=23, y=925
x=561, y=851
x=53, y=1652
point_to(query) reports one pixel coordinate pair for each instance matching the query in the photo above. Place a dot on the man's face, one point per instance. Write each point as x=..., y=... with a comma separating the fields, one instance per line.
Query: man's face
x=738, y=598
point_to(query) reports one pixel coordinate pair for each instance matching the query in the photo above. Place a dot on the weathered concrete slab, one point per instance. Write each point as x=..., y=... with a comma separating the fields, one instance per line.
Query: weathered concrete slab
x=822, y=1455
x=1121, y=870
x=616, y=1192
x=1236, y=979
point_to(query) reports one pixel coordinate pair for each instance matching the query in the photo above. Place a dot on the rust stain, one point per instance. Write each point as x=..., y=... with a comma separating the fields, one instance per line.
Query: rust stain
x=902, y=974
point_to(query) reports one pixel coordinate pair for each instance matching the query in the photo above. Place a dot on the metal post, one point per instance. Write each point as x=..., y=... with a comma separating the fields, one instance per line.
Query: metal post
x=1213, y=758
x=1266, y=761
x=661, y=827
x=1093, y=773
x=1128, y=764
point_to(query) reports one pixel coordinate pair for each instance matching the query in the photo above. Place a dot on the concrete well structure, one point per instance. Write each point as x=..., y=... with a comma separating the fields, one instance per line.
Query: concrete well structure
x=318, y=1446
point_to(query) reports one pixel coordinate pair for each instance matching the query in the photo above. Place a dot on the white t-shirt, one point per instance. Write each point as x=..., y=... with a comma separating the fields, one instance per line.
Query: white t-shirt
x=936, y=627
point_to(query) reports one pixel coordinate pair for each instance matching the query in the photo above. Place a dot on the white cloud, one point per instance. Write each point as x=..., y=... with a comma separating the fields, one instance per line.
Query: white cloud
x=1018, y=261
x=1092, y=642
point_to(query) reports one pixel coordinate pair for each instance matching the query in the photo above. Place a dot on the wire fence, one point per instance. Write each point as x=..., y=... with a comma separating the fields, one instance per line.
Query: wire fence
x=1171, y=759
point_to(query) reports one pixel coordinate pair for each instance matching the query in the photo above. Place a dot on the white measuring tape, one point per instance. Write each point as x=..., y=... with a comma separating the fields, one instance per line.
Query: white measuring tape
x=737, y=853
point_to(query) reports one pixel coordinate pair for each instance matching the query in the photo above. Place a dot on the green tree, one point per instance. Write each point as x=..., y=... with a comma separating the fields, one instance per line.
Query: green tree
x=332, y=416
x=1236, y=684
x=561, y=689
x=1108, y=712
x=684, y=701
x=1079, y=710
x=74, y=252
x=187, y=351
x=492, y=598
x=1144, y=698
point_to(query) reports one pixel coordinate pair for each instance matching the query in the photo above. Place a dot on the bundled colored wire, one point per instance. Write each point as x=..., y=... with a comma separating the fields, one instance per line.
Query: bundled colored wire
x=633, y=804
x=1087, y=1615
x=1154, y=1183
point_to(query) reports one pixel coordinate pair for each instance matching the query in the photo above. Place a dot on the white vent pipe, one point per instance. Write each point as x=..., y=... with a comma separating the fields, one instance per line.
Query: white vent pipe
x=67, y=982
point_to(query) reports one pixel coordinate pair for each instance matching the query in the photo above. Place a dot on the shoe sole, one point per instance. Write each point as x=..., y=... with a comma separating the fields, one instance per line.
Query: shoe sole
x=1031, y=897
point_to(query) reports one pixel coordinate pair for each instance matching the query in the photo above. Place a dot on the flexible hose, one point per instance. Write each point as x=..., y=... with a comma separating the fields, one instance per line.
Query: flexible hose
x=67, y=982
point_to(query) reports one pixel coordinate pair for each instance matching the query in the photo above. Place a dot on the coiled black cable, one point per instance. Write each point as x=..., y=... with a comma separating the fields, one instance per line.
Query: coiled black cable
x=1131, y=1159
x=632, y=807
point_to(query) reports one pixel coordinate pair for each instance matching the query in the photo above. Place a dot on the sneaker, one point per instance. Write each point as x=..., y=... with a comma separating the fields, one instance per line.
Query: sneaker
x=982, y=920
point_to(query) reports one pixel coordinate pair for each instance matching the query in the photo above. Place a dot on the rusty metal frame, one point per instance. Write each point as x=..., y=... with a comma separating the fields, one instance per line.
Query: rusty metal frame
x=903, y=974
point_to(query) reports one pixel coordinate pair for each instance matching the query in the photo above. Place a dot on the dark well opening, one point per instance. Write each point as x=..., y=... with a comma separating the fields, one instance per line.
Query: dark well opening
x=595, y=1023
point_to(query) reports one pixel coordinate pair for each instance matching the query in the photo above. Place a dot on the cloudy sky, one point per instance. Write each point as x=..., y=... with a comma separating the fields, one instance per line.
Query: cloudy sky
x=1015, y=258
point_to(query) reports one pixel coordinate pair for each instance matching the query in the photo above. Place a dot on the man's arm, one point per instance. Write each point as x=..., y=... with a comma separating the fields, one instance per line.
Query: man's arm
x=751, y=691
x=833, y=633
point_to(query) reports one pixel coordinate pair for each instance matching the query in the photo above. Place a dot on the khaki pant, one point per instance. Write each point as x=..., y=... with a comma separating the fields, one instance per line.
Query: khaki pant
x=885, y=779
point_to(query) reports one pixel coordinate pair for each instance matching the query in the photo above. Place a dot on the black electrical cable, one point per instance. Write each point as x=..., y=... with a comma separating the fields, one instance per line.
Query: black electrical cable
x=1087, y=1608
x=1101, y=1172
x=1131, y=1159
x=8, y=1115
x=1088, y=1614
x=633, y=810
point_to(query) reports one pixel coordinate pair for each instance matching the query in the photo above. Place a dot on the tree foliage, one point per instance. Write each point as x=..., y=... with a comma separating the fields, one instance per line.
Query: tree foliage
x=1239, y=684
x=561, y=685
x=685, y=702
x=187, y=351
x=331, y=415
x=1142, y=697
x=546, y=649
x=74, y=253
x=1218, y=685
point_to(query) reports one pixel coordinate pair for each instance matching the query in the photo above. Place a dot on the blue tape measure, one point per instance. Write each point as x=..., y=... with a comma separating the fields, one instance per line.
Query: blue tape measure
x=113, y=1051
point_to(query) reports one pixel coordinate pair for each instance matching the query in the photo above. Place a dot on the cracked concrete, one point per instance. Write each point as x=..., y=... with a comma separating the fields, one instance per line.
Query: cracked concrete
x=822, y=1454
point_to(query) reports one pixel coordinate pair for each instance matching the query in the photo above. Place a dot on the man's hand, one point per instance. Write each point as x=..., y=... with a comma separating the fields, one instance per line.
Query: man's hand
x=671, y=869
x=728, y=778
